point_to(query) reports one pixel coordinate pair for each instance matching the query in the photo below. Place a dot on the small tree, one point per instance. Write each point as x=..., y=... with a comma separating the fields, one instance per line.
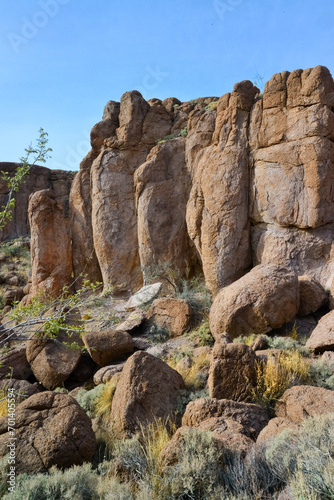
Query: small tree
x=41, y=153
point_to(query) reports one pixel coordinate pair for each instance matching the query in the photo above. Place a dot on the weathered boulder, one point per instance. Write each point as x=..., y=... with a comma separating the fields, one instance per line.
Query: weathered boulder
x=312, y=295
x=147, y=389
x=50, y=429
x=322, y=337
x=232, y=371
x=174, y=315
x=252, y=417
x=107, y=346
x=275, y=426
x=265, y=298
x=132, y=322
x=15, y=363
x=106, y=373
x=51, y=254
x=51, y=360
x=304, y=401
x=143, y=296
x=229, y=434
x=13, y=295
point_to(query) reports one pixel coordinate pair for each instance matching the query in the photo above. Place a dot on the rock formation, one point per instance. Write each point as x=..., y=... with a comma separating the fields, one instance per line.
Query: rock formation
x=214, y=184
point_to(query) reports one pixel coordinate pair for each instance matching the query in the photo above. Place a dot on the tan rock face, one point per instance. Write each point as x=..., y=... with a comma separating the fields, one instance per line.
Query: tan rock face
x=51, y=429
x=51, y=254
x=105, y=347
x=217, y=212
x=232, y=371
x=39, y=178
x=253, y=418
x=162, y=186
x=173, y=314
x=250, y=304
x=312, y=295
x=322, y=337
x=304, y=401
x=275, y=426
x=147, y=389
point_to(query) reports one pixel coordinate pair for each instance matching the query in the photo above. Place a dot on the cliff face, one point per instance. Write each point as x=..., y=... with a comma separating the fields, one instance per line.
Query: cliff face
x=59, y=181
x=222, y=184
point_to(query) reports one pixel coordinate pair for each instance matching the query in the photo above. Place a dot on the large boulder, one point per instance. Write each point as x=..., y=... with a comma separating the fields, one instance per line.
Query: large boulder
x=107, y=346
x=21, y=388
x=148, y=389
x=275, y=426
x=51, y=359
x=263, y=299
x=174, y=315
x=252, y=417
x=232, y=371
x=14, y=363
x=51, y=252
x=322, y=337
x=312, y=295
x=50, y=429
x=304, y=401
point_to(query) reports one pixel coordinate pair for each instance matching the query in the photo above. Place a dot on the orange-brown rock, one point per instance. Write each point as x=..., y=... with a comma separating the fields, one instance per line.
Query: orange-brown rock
x=232, y=371
x=162, y=188
x=147, y=389
x=59, y=181
x=51, y=360
x=107, y=346
x=14, y=363
x=217, y=212
x=175, y=315
x=312, y=295
x=50, y=429
x=252, y=417
x=322, y=337
x=51, y=255
x=275, y=426
x=250, y=304
x=304, y=401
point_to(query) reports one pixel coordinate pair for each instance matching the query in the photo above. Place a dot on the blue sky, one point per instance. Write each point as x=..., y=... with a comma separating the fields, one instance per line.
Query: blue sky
x=62, y=60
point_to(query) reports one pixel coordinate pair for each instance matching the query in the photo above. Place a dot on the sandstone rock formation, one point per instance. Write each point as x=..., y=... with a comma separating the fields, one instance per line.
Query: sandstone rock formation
x=147, y=389
x=265, y=298
x=322, y=337
x=232, y=371
x=105, y=347
x=50, y=429
x=175, y=315
x=233, y=182
x=51, y=254
x=59, y=181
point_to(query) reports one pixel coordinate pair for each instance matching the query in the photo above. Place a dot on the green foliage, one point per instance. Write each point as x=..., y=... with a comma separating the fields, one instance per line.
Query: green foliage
x=183, y=132
x=304, y=459
x=321, y=374
x=158, y=334
x=202, y=335
x=211, y=106
x=88, y=400
x=41, y=153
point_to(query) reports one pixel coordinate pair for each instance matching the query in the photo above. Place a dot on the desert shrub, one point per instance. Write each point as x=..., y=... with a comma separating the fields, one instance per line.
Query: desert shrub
x=194, y=376
x=186, y=395
x=183, y=132
x=246, y=339
x=76, y=483
x=321, y=374
x=304, y=459
x=212, y=105
x=202, y=335
x=158, y=334
x=276, y=375
x=89, y=399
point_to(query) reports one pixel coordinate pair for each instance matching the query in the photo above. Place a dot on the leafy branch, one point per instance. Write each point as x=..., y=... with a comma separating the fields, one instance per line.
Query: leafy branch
x=41, y=153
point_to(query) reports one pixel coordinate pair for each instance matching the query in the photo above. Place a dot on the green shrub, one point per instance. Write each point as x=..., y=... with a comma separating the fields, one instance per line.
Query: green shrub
x=183, y=132
x=321, y=374
x=202, y=335
x=158, y=334
x=88, y=400
x=304, y=459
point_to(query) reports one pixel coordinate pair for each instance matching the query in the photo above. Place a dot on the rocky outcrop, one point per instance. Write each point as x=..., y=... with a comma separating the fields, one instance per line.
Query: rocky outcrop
x=147, y=390
x=50, y=429
x=222, y=184
x=304, y=401
x=174, y=315
x=322, y=337
x=51, y=254
x=108, y=346
x=59, y=181
x=250, y=304
x=312, y=295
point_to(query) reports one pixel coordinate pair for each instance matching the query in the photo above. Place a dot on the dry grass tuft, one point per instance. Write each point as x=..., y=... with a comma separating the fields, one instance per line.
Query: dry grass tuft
x=195, y=376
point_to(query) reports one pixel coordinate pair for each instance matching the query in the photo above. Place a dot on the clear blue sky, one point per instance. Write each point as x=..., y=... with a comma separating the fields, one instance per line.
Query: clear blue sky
x=62, y=60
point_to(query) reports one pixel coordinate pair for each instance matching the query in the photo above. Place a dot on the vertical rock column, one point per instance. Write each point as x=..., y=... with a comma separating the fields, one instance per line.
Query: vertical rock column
x=217, y=212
